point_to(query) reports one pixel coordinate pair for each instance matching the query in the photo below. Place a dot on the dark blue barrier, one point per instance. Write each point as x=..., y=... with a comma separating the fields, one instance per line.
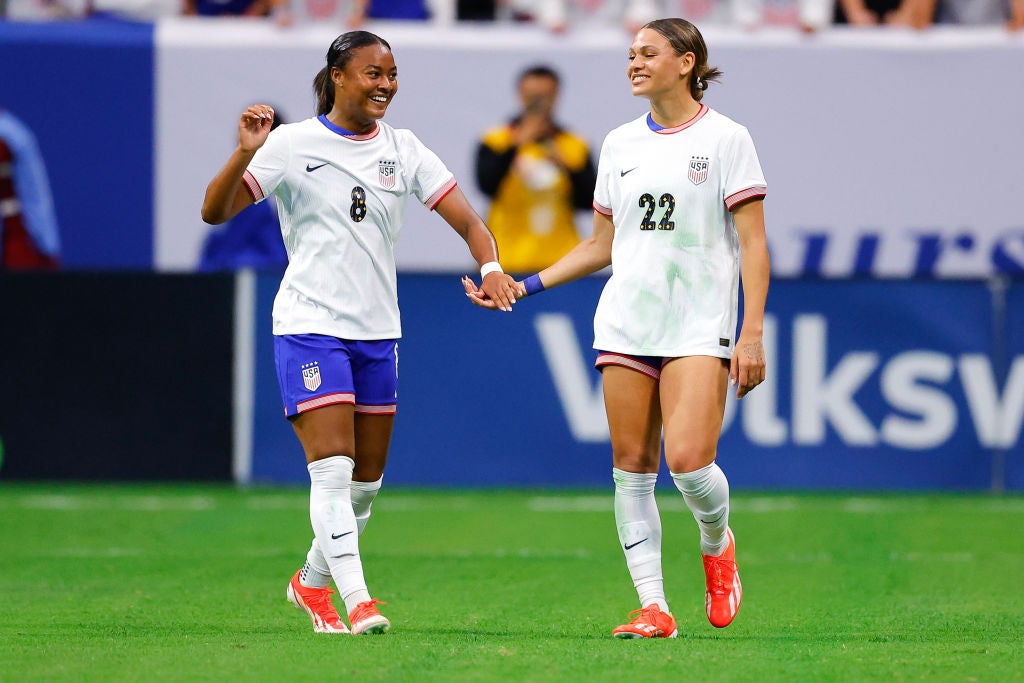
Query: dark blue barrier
x=873, y=385
x=116, y=376
x=1011, y=359
x=86, y=90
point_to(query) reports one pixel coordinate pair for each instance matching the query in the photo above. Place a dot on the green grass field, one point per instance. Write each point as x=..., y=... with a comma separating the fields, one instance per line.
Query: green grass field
x=163, y=583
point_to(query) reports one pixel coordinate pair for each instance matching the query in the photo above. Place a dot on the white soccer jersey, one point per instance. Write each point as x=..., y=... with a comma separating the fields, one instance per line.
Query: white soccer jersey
x=675, y=255
x=341, y=200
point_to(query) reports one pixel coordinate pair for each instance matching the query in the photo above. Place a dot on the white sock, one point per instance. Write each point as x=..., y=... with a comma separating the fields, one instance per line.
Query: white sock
x=639, y=525
x=334, y=524
x=706, y=492
x=315, y=573
x=363, y=493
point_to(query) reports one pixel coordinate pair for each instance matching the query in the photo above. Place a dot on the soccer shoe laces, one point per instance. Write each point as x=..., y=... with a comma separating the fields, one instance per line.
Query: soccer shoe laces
x=320, y=601
x=365, y=609
x=643, y=615
x=716, y=578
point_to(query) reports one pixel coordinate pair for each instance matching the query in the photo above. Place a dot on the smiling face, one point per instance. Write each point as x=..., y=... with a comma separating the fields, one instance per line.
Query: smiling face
x=365, y=87
x=654, y=68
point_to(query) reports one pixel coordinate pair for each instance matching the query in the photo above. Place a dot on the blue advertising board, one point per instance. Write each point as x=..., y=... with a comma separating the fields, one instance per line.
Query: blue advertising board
x=85, y=89
x=872, y=385
x=1010, y=355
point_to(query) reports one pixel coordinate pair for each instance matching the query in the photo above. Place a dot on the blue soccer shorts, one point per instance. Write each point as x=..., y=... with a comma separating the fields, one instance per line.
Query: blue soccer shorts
x=648, y=365
x=316, y=370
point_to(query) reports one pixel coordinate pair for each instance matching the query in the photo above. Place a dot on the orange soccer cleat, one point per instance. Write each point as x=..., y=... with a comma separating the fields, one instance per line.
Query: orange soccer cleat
x=366, y=618
x=317, y=604
x=724, y=591
x=648, y=622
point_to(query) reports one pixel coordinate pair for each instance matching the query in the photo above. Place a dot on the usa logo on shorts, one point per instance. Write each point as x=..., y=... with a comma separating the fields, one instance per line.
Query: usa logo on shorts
x=387, y=174
x=698, y=170
x=311, y=376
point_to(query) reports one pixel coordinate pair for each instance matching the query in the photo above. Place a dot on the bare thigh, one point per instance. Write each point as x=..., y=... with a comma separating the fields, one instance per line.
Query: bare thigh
x=693, y=391
x=339, y=430
x=634, y=419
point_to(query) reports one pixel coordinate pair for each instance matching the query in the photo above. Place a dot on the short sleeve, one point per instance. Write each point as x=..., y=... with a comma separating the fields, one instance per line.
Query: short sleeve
x=267, y=168
x=743, y=178
x=429, y=179
x=602, y=189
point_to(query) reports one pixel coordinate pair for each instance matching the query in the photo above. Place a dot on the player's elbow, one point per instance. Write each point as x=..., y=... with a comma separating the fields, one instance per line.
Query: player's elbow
x=211, y=217
x=212, y=214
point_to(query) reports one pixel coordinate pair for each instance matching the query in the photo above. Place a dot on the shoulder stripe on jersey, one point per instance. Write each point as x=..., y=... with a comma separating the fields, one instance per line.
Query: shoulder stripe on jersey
x=603, y=210
x=682, y=126
x=434, y=199
x=736, y=198
x=251, y=184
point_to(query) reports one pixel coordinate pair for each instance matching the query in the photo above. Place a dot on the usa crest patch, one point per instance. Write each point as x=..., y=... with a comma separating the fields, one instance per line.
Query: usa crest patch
x=311, y=376
x=698, y=170
x=388, y=172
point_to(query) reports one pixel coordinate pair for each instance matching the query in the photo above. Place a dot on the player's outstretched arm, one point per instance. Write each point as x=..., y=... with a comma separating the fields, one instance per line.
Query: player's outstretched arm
x=496, y=286
x=589, y=256
x=226, y=194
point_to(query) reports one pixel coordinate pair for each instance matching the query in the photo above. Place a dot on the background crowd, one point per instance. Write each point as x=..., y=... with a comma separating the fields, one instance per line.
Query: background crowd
x=559, y=16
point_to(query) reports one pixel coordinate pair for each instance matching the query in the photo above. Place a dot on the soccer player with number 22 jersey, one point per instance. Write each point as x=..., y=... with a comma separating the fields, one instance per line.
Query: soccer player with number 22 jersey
x=678, y=215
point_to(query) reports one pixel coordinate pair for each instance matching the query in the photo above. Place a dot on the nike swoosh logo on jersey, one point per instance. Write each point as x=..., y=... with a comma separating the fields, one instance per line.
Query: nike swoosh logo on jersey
x=335, y=538
x=622, y=174
x=309, y=168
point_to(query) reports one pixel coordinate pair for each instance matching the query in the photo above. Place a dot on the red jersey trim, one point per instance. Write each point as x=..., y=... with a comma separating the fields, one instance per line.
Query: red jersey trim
x=253, y=186
x=603, y=210
x=325, y=400
x=365, y=136
x=376, y=410
x=627, y=362
x=683, y=126
x=435, y=199
x=736, y=198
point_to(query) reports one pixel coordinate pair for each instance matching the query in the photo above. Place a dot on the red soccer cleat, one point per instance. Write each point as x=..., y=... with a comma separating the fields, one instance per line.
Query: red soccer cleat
x=724, y=591
x=317, y=604
x=648, y=622
x=366, y=618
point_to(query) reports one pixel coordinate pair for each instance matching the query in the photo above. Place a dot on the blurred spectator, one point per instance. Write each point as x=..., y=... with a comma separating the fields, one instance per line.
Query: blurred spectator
x=982, y=13
x=808, y=15
x=912, y=13
x=476, y=10
x=537, y=175
x=220, y=8
x=252, y=239
x=135, y=10
x=558, y=15
x=29, y=238
x=412, y=10
x=43, y=10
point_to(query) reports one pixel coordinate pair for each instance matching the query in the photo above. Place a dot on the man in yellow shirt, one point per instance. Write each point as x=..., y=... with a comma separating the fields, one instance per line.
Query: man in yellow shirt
x=537, y=175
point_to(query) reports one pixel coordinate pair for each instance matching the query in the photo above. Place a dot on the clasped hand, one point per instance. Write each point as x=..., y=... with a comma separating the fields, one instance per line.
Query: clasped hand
x=497, y=291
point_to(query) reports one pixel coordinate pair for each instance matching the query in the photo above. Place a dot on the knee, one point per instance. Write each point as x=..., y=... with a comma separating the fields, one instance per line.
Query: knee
x=326, y=447
x=689, y=457
x=635, y=458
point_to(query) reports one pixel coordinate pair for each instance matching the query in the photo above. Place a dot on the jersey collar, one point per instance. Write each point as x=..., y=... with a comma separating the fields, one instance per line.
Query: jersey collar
x=347, y=133
x=661, y=130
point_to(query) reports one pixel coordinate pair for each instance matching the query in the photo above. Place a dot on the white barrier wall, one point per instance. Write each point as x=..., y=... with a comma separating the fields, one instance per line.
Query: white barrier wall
x=887, y=153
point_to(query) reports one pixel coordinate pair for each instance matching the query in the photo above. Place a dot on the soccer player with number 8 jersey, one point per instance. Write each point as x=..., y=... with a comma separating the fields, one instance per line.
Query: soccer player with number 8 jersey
x=679, y=217
x=341, y=180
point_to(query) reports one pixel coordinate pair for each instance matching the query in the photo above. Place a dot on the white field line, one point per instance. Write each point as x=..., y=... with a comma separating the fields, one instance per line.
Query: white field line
x=554, y=503
x=151, y=503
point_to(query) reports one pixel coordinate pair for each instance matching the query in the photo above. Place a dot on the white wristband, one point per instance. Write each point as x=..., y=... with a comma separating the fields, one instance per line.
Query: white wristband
x=490, y=267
